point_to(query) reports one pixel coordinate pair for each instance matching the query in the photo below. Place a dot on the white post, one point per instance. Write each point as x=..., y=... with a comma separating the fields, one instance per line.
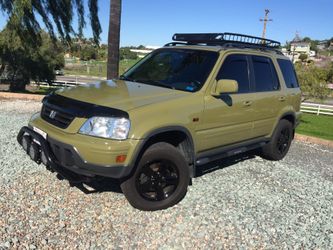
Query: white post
x=318, y=110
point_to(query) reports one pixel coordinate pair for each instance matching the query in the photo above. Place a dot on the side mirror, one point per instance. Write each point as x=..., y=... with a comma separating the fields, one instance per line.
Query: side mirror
x=225, y=86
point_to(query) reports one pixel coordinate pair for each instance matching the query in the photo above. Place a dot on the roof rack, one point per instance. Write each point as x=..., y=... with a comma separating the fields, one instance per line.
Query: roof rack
x=225, y=40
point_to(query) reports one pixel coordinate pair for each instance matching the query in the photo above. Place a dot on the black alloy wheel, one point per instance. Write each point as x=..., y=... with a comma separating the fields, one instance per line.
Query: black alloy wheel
x=160, y=179
x=280, y=142
x=157, y=180
x=283, y=141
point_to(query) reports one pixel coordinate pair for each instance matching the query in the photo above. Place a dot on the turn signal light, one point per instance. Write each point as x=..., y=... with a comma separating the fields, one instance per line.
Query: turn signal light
x=120, y=158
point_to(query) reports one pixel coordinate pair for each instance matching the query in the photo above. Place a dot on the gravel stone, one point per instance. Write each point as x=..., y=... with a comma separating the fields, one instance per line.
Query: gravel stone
x=243, y=202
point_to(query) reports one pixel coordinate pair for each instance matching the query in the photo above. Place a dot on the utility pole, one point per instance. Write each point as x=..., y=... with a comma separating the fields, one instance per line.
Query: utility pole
x=265, y=20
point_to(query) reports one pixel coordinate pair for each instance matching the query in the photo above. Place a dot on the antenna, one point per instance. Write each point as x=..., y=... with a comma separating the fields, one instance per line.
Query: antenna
x=265, y=20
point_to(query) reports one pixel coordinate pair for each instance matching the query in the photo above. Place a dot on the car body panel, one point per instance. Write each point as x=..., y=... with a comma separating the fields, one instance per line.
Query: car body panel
x=123, y=95
x=210, y=121
x=93, y=150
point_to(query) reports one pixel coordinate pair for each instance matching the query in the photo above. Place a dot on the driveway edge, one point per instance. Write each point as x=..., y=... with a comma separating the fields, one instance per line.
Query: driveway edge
x=20, y=96
x=315, y=140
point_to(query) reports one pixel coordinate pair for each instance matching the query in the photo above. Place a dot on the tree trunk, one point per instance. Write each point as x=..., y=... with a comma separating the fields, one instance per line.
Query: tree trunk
x=114, y=39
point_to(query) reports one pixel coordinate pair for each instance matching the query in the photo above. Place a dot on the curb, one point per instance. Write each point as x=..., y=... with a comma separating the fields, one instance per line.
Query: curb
x=30, y=97
x=315, y=140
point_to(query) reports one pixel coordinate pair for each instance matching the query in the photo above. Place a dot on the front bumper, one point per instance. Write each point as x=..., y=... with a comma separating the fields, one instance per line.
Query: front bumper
x=62, y=157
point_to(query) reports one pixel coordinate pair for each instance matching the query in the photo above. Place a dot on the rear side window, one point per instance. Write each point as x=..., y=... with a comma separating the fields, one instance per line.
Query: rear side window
x=265, y=74
x=288, y=73
x=235, y=67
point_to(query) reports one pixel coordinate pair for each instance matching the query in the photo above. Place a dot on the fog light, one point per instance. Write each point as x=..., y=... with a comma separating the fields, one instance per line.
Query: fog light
x=34, y=152
x=26, y=141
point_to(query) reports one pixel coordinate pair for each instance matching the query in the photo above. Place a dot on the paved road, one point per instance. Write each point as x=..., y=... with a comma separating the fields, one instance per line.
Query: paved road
x=245, y=202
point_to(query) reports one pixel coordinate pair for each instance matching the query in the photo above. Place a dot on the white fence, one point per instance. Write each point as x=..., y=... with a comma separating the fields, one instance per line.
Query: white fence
x=318, y=109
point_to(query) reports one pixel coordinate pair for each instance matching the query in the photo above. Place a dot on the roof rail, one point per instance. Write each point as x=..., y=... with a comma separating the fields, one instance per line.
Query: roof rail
x=228, y=39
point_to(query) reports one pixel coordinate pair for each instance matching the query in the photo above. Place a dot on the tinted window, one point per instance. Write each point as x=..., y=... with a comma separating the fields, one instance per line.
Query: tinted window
x=265, y=74
x=288, y=72
x=178, y=69
x=235, y=67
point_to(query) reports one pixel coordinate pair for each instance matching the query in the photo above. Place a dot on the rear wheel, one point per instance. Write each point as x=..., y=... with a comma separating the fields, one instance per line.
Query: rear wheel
x=160, y=180
x=279, y=145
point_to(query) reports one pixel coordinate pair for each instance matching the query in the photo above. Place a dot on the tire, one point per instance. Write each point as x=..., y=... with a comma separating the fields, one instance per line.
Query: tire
x=280, y=142
x=160, y=179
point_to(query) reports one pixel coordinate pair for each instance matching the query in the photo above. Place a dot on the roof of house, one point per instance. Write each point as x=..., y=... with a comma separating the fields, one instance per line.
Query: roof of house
x=298, y=40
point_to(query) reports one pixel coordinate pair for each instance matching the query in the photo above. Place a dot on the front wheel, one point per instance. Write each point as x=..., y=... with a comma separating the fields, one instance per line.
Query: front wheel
x=280, y=142
x=160, y=179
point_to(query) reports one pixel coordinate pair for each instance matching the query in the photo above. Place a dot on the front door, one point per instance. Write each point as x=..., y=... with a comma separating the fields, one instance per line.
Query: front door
x=229, y=118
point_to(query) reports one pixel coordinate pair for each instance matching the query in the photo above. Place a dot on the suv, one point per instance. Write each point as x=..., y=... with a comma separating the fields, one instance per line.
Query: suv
x=194, y=101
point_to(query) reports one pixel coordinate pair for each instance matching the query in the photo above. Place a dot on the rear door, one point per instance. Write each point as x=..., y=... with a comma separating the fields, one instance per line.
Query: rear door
x=270, y=96
x=293, y=91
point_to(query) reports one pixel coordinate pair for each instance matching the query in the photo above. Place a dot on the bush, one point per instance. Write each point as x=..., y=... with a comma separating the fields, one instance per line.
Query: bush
x=126, y=53
x=313, y=81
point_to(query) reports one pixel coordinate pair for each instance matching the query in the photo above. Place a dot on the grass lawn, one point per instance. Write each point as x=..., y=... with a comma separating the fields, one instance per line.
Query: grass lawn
x=316, y=125
x=97, y=68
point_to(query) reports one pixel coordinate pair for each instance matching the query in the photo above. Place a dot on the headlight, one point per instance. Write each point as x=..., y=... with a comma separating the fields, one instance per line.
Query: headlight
x=106, y=127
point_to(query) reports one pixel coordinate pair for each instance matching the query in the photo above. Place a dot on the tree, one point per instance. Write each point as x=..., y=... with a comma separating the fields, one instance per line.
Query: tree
x=313, y=81
x=330, y=73
x=126, y=53
x=24, y=26
x=329, y=42
x=88, y=53
x=22, y=63
x=114, y=39
x=55, y=14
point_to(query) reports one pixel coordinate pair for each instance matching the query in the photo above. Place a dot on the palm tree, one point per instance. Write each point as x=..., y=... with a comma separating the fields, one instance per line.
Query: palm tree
x=114, y=39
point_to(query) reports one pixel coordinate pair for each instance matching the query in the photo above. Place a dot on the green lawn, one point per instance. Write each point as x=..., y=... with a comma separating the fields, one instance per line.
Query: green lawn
x=316, y=125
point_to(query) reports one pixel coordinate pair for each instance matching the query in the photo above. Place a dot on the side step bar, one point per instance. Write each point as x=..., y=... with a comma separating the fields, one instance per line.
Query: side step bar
x=229, y=150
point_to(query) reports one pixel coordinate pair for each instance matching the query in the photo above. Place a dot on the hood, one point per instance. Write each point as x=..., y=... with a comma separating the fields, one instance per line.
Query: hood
x=119, y=94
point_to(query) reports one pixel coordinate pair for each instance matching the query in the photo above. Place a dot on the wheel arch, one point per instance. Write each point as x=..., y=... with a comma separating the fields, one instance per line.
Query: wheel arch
x=177, y=136
x=289, y=116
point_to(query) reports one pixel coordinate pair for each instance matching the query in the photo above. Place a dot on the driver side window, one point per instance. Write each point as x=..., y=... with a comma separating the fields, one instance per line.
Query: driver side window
x=236, y=67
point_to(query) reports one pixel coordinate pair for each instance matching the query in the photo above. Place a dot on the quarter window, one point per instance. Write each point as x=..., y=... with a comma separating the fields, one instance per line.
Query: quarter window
x=235, y=67
x=288, y=73
x=265, y=74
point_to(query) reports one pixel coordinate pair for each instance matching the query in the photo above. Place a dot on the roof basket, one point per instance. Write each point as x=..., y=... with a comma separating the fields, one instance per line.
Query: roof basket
x=224, y=39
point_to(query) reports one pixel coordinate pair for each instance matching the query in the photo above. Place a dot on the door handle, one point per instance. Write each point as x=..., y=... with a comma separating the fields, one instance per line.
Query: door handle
x=247, y=103
x=282, y=98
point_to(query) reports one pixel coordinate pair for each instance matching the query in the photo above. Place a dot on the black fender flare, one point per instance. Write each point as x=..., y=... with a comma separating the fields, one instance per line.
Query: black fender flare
x=142, y=146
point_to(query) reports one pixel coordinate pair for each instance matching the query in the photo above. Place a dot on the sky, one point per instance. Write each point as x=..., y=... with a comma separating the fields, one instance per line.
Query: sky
x=153, y=22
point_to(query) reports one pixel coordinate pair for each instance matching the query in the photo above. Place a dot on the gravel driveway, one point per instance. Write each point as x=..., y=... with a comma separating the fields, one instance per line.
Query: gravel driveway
x=245, y=202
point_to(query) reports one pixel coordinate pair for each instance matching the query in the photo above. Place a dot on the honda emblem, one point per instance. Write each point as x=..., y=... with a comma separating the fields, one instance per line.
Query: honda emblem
x=52, y=114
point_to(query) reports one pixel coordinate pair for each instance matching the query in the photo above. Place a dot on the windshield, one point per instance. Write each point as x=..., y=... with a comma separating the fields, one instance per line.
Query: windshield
x=180, y=69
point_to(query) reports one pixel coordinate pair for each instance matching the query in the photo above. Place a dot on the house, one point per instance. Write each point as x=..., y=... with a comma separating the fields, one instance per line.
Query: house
x=300, y=47
x=322, y=44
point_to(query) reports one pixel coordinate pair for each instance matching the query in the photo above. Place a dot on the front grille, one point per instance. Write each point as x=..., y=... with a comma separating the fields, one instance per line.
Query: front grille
x=55, y=116
x=61, y=111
